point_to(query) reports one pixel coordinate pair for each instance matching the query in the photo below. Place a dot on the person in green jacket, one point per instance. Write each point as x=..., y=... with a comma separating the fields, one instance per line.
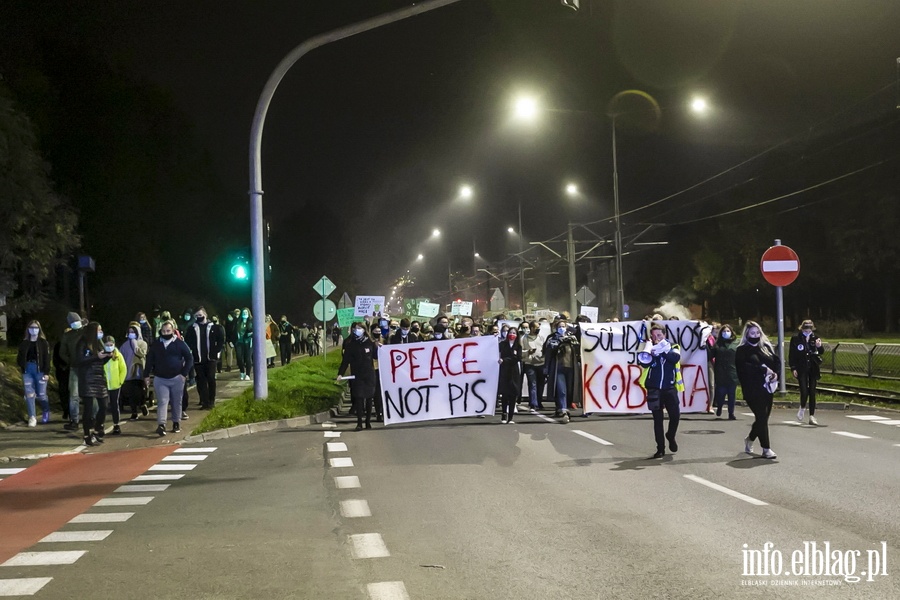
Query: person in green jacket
x=722, y=354
x=116, y=370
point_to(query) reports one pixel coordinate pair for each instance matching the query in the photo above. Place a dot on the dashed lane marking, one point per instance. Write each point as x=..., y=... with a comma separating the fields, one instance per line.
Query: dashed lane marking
x=387, y=590
x=36, y=559
x=748, y=414
x=889, y=422
x=795, y=423
x=867, y=417
x=340, y=462
x=855, y=436
x=125, y=501
x=26, y=586
x=184, y=457
x=725, y=490
x=175, y=467
x=102, y=517
x=78, y=536
x=158, y=477
x=329, y=425
x=347, y=482
x=594, y=438
x=336, y=446
x=9, y=471
x=546, y=418
x=355, y=508
x=368, y=545
x=159, y=487
x=193, y=450
x=332, y=434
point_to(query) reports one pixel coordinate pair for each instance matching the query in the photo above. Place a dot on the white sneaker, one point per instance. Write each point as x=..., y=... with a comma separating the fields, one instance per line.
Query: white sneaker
x=748, y=446
x=800, y=414
x=767, y=453
x=812, y=420
x=510, y=422
x=533, y=411
x=503, y=421
x=32, y=421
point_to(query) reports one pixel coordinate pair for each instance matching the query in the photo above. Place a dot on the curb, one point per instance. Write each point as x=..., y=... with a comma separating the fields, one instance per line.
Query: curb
x=241, y=430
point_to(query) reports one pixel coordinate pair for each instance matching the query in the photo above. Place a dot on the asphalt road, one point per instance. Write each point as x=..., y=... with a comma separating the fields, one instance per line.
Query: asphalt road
x=475, y=509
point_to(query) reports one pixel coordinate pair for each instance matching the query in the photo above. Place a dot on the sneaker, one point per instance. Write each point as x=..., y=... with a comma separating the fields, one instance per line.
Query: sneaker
x=812, y=420
x=565, y=417
x=133, y=417
x=116, y=430
x=368, y=426
x=358, y=428
x=673, y=446
x=97, y=439
x=176, y=427
x=718, y=411
x=503, y=421
x=748, y=446
x=161, y=430
x=800, y=414
x=510, y=422
x=533, y=410
x=88, y=440
x=71, y=425
x=32, y=421
x=732, y=418
x=242, y=376
x=184, y=415
x=659, y=454
x=99, y=432
x=144, y=410
x=45, y=418
x=767, y=453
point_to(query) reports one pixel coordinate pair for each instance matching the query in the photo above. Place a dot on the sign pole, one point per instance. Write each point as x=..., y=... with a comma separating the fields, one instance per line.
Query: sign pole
x=779, y=313
x=324, y=327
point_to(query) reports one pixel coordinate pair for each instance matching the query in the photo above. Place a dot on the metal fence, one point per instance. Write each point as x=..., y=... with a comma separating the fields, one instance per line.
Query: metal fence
x=850, y=358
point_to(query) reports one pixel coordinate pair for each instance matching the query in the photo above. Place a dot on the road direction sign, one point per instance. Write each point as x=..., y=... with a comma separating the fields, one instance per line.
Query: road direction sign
x=584, y=295
x=345, y=301
x=780, y=265
x=324, y=287
x=324, y=310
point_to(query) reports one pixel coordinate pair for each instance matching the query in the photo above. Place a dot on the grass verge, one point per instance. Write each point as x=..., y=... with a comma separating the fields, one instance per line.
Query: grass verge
x=304, y=387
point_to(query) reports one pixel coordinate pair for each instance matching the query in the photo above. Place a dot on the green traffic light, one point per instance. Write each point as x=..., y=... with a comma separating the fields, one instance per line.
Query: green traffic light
x=239, y=271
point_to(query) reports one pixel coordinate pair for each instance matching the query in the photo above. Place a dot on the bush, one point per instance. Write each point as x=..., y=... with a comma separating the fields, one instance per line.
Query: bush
x=841, y=329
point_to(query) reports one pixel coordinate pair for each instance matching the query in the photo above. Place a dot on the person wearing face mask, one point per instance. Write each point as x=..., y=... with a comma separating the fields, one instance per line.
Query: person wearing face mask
x=725, y=373
x=375, y=332
x=34, y=362
x=271, y=337
x=444, y=321
x=67, y=354
x=205, y=344
x=416, y=328
x=359, y=354
x=439, y=333
x=510, y=380
x=228, y=348
x=559, y=355
x=134, y=352
x=662, y=380
x=285, y=333
x=115, y=371
x=533, y=363
x=169, y=360
x=243, y=343
x=146, y=329
x=404, y=335
x=90, y=359
x=757, y=368
x=804, y=359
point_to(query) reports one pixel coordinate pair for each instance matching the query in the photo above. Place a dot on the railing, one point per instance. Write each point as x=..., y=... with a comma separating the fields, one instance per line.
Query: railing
x=851, y=358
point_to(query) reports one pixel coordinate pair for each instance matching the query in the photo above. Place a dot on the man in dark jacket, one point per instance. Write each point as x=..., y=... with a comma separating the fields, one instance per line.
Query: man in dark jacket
x=559, y=351
x=660, y=382
x=70, y=338
x=203, y=338
x=169, y=360
x=403, y=335
x=360, y=354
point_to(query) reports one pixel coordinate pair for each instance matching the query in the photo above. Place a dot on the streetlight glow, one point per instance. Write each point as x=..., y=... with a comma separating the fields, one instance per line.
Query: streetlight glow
x=419, y=257
x=477, y=255
x=699, y=105
x=465, y=191
x=436, y=232
x=525, y=108
x=572, y=189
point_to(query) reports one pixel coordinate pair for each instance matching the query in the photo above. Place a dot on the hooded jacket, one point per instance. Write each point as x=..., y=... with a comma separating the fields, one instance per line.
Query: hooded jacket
x=134, y=352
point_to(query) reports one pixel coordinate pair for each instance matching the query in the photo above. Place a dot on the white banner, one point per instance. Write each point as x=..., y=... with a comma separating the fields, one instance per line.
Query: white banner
x=429, y=309
x=439, y=380
x=368, y=306
x=612, y=375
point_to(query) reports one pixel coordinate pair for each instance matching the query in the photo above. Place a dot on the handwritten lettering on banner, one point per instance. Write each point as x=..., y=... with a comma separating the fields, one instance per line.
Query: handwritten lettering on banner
x=447, y=379
x=612, y=375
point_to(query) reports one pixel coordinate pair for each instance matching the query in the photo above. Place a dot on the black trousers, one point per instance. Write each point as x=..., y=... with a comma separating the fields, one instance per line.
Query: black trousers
x=807, y=380
x=87, y=409
x=114, y=407
x=762, y=408
x=244, y=358
x=133, y=393
x=358, y=403
x=284, y=343
x=668, y=400
x=206, y=382
x=62, y=376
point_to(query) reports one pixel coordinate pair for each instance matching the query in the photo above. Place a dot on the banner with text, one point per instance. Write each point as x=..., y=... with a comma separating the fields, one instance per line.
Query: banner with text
x=447, y=379
x=346, y=316
x=368, y=306
x=612, y=374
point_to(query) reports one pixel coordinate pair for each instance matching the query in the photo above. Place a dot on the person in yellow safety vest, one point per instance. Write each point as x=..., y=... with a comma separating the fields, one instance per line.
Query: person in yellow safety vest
x=662, y=380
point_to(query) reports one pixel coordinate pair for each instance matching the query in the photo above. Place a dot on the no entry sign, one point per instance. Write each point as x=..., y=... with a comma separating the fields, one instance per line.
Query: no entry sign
x=780, y=265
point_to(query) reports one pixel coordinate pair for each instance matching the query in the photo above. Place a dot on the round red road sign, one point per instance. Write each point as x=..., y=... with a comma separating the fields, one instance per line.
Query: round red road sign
x=780, y=265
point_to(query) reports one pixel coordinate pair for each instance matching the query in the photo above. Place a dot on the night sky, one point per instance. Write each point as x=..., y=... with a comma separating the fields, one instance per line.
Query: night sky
x=383, y=128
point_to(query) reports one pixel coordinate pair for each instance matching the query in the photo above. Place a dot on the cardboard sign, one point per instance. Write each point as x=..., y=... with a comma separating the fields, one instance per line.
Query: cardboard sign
x=346, y=316
x=461, y=308
x=591, y=312
x=368, y=306
x=445, y=379
x=428, y=309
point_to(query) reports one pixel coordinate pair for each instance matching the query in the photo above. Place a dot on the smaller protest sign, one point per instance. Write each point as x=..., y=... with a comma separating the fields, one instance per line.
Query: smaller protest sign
x=346, y=316
x=368, y=306
x=591, y=312
x=429, y=309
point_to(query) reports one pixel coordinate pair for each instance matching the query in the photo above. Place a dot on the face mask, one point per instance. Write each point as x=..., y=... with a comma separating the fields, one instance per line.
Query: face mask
x=245, y=315
x=752, y=340
x=376, y=334
x=807, y=332
x=383, y=324
x=33, y=330
x=76, y=325
x=143, y=321
x=561, y=330
x=230, y=318
x=109, y=348
x=512, y=337
x=726, y=335
x=415, y=330
x=167, y=336
x=132, y=336
x=99, y=335
x=187, y=317
x=359, y=332
x=200, y=318
x=438, y=336
x=404, y=332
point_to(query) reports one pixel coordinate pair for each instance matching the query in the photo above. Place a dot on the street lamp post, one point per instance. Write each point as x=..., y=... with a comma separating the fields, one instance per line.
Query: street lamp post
x=521, y=260
x=620, y=290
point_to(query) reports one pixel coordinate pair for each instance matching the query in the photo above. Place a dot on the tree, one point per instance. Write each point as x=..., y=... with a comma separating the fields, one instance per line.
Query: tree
x=37, y=226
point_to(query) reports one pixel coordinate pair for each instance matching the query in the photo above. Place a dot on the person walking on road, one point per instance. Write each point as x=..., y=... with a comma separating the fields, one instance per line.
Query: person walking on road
x=722, y=354
x=70, y=339
x=533, y=363
x=34, y=362
x=804, y=359
x=510, y=380
x=243, y=343
x=404, y=335
x=662, y=380
x=134, y=352
x=115, y=371
x=757, y=368
x=90, y=359
x=559, y=355
x=169, y=360
x=205, y=344
x=359, y=354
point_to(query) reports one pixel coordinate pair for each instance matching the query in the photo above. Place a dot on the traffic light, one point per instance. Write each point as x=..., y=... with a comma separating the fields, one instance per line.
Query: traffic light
x=240, y=265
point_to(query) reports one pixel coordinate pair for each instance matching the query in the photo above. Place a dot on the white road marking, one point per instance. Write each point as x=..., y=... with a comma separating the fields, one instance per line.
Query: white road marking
x=889, y=422
x=177, y=457
x=332, y=434
x=368, y=545
x=797, y=423
x=125, y=501
x=587, y=435
x=11, y=471
x=171, y=467
x=355, y=508
x=340, y=462
x=26, y=586
x=157, y=477
x=855, y=436
x=102, y=518
x=193, y=450
x=546, y=418
x=78, y=536
x=329, y=425
x=725, y=490
x=387, y=590
x=867, y=417
x=159, y=487
x=347, y=482
x=36, y=559
x=748, y=414
x=336, y=446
